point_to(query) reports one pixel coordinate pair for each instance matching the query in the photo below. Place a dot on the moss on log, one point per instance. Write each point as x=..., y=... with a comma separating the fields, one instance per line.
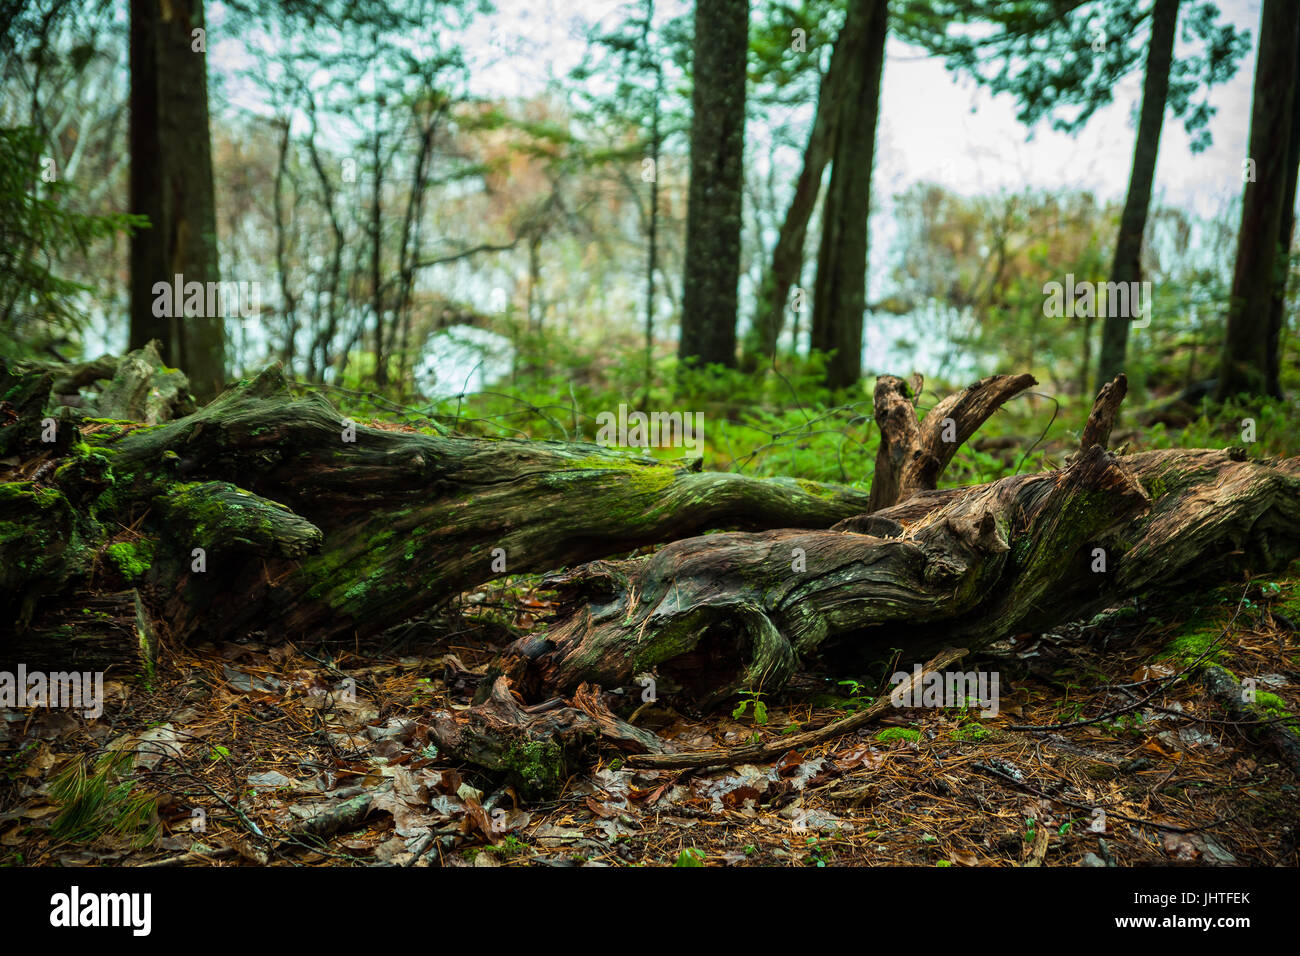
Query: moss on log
x=262, y=509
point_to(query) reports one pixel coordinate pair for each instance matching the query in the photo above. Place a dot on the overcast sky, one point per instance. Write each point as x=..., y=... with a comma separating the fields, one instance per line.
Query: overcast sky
x=937, y=127
x=933, y=125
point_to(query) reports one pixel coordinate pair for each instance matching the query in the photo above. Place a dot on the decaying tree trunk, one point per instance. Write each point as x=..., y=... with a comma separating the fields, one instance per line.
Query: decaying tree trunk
x=89, y=631
x=968, y=566
x=913, y=454
x=265, y=512
x=538, y=746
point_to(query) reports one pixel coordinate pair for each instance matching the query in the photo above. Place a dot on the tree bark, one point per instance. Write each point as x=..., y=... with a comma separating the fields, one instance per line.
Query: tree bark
x=730, y=612
x=1286, y=234
x=840, y=292
x=912, y=455
x=713, y=216
x=787, y=257
x=172, y=184
x=1250, y=343
x=1127, y=264
x=302, y=529
x=1105, y=412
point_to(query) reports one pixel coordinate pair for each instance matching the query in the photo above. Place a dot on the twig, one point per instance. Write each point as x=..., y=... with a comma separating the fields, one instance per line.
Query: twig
x=758, y=753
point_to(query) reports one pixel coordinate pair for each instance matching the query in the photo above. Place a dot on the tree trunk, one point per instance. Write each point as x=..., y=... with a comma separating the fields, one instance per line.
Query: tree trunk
x=376, y=250
x=1250, y=343
x=730, y=612
x=652, y=237
x=840, y=293
x=713, y=216
x=171, y=183
x=787, y=257
x=1286, y=234
x=1127, y=264
x=257, y=510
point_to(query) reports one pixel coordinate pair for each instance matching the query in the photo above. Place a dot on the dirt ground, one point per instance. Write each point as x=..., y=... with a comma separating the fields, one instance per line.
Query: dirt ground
x=277, y=751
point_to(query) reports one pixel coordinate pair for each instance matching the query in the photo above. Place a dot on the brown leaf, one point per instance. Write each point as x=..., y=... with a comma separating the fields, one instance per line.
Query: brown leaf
x=735, y=800
x=602, y=809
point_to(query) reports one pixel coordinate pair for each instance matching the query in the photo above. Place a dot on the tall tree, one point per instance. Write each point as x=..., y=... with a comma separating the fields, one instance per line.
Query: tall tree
x=713, y=217
x=1127, y=264
x=171, y=183
x=788, y=255
x=1277, y=309
x=655, y=144
x=1249, y=363
x=839, y=296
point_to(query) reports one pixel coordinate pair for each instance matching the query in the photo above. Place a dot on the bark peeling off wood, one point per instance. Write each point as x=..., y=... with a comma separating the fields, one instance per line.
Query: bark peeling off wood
x=732, y=611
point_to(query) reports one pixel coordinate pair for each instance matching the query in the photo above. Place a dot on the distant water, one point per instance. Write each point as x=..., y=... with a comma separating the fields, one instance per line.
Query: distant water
x=924, y=341
x=463, y=358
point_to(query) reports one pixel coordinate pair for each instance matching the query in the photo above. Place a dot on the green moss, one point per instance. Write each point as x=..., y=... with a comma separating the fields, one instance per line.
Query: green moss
x=891, y=734
x=537, y=765
x=108, y=429
x=971, y=732
x=1271, y=704
x=133, y=558
x=362, y=572
x=24, y=492
x=1290, y=606
x=815, y=489
x=1190, y=643
x=1155, y=487
x=219, y=509
x=85, y=465
x=641, y=477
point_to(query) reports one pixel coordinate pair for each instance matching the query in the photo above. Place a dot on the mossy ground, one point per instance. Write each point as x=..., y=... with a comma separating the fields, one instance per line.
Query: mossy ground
x=892, y=734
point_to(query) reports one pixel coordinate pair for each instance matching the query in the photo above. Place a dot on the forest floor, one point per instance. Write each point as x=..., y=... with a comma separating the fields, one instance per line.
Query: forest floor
x=239, y=745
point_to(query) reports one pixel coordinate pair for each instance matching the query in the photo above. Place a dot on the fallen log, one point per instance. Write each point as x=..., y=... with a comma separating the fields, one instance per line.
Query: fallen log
x=535, y=750
x=90, y=631
x=264, y=511
x=1280, y=734
x=727, y=612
